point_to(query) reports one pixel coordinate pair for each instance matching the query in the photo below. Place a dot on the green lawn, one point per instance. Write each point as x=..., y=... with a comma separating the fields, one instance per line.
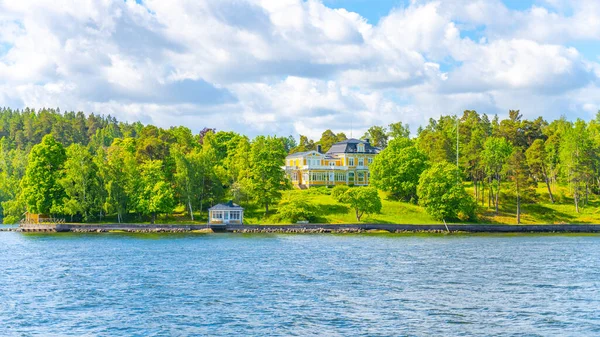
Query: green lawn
x=333, y=212
x=543, y=211
x=395, y=212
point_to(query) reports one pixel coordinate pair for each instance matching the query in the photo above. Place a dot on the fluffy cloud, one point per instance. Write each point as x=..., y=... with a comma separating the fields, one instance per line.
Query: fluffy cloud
x=296, y=66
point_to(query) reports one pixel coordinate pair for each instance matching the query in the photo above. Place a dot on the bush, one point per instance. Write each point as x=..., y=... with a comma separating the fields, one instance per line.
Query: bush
x=338, y=192
x=321, y=190
x=295, y=207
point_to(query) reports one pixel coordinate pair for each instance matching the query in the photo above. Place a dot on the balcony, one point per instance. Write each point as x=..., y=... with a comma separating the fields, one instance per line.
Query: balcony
x=324, y=167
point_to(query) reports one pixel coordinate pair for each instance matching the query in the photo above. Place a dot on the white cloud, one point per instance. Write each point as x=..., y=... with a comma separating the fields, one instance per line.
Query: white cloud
x=519, y=64
x=295, y=66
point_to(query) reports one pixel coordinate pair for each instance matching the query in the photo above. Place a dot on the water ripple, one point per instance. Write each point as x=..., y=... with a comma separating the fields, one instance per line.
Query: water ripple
x=299, y=285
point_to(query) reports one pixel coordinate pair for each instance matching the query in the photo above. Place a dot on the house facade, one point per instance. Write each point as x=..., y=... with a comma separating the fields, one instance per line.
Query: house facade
x=346, y=163
x=226, y=214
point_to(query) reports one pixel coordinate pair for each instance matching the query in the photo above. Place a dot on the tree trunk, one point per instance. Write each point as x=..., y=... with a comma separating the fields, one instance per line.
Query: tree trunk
x=497, y=195
x=490, y=195
x=518, y=209
x=153, y=218
x=547, y=184
x=266, y=209
x=482, y=192
x=549, y=189
x=576, y=199
x=358, y=215
x=190, y=208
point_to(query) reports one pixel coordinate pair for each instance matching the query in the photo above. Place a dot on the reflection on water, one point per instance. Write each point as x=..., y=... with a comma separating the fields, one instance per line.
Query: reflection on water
x=327, y=285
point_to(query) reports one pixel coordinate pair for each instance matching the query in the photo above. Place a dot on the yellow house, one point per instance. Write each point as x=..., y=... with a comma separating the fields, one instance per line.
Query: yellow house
x=346, y=163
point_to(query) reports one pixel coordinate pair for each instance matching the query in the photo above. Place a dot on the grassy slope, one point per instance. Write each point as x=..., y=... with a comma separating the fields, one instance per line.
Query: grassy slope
x=543, y=212
x=334, y=212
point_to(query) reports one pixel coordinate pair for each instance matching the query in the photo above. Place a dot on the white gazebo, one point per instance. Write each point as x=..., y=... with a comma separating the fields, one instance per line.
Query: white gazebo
x=226, y=214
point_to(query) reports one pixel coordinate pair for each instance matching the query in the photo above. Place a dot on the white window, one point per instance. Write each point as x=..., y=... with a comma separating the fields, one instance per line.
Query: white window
x=361, y=148
x=217, y=214
x=370, y=160
x=351, y=176
x=235, y=215
x=331, y=163
x=361, y=176
x=318, y=176
x=339, y=176
x=295, y=176
x=350, y=161
x=361, y=162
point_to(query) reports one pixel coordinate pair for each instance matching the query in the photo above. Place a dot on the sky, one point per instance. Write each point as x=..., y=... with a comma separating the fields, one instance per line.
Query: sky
x=290, y=67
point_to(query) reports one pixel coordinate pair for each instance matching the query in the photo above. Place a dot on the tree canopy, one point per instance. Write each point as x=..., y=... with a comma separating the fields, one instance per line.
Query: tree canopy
x=442, y=196
x=397, y=169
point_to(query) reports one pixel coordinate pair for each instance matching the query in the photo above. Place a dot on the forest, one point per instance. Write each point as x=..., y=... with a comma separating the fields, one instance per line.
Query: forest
x=94, y=168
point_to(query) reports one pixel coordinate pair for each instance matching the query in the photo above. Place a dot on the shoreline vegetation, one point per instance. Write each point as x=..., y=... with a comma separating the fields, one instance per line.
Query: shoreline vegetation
x=90, y=168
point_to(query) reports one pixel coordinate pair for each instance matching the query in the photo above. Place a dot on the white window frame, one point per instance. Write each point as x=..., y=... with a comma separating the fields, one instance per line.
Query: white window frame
x=361, y=162
x=350, y=161
x=370, y=160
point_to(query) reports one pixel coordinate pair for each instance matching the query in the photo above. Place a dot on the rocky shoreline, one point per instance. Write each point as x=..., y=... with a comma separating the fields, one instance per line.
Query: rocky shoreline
x=332, y=231
x=140, y=230
x=307, y=228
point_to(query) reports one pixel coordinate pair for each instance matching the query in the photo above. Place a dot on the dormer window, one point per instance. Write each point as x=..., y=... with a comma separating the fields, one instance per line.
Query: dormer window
x=361, y=148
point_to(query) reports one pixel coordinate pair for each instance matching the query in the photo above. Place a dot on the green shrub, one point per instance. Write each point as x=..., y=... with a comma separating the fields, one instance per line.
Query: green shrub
x=338, y=191
x=295, y=207
x=320, y=190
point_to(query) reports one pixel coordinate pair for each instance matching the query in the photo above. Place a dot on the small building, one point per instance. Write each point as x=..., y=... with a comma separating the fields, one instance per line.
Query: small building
x=226, y=214
x=32, y=218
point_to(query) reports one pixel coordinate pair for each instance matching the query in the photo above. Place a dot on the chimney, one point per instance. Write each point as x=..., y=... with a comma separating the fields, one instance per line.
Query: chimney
x=368, y=141
x=319, y=148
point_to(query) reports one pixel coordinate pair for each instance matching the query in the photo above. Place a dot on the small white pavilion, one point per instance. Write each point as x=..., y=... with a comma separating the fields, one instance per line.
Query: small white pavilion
x=226, y=214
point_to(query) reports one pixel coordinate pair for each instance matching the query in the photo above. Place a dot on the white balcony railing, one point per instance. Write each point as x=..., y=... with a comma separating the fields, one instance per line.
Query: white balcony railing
x=324, y=167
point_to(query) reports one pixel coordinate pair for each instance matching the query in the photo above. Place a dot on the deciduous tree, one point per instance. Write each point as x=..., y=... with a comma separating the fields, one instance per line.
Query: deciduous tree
x=442, y=196
x=41, y=188
x=363, y=200
x=397, y=169
x=267, y=155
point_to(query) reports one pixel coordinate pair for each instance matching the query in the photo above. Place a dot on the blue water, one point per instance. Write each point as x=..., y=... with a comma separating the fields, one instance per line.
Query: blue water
x=299, y=285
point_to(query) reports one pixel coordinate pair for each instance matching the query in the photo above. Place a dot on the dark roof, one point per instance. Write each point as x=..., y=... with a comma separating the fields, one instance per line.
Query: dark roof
x=350, y=146
x=226, y=206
